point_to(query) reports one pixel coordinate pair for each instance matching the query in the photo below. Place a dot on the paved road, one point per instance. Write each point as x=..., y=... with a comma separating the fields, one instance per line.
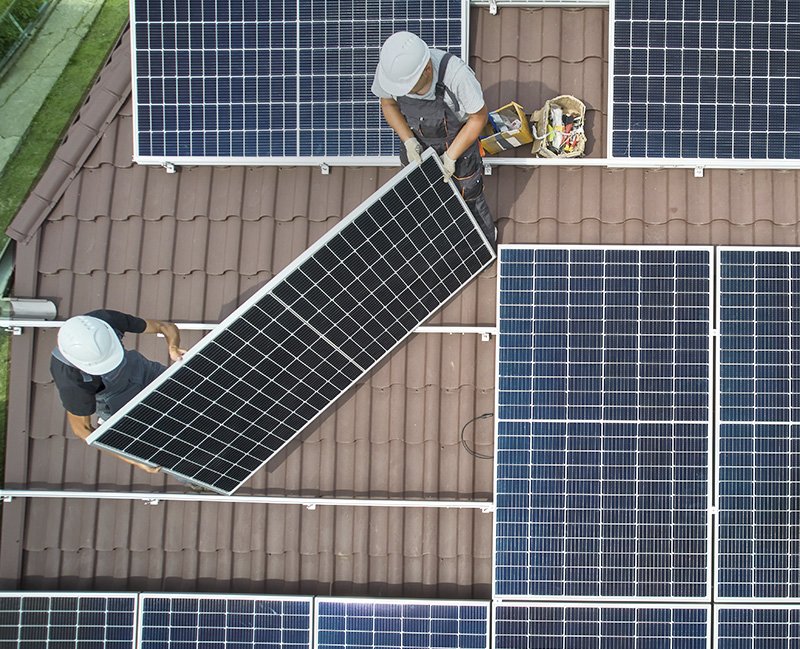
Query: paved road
x=27, y=84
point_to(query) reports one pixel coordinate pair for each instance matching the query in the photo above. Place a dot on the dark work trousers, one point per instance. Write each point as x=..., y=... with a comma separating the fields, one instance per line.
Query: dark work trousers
x=435, y=125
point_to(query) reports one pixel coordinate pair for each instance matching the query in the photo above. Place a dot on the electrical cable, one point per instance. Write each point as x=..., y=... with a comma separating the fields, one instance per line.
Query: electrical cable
x=480, y=456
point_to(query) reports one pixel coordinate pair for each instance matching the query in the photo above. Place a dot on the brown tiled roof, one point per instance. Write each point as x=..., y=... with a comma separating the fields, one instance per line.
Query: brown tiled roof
x=191, y=246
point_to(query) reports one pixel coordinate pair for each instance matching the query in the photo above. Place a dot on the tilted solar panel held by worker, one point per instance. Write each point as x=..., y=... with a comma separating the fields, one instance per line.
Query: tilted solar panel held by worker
x=273, y=366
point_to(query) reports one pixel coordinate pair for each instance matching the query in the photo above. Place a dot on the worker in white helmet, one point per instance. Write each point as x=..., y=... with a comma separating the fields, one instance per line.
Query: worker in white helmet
x=431, y=98
x=95, y=374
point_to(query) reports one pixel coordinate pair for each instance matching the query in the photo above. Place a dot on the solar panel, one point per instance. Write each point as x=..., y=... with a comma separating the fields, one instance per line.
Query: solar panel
x=67, y=621
x=274, y=365
x=710, y=80
x=759, y=423
x=275, y=81
x=201, y=622
x=582, y=626
x=757, y=627
x=411, y=624
x=602, y=457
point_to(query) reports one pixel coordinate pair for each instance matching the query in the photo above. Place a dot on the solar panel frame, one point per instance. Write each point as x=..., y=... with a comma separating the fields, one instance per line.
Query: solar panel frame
x=698, y=55
x=583, y=640
x=722, y=420
x=430, y=631
x=708, y=422
x=82, y=620
x=304, y=46
x=209, y=640
x=359, y=359
x=748, y=640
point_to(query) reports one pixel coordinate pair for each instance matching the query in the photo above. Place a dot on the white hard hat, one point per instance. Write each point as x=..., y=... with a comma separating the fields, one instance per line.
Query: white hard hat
x=90, y=344
x=403, y=58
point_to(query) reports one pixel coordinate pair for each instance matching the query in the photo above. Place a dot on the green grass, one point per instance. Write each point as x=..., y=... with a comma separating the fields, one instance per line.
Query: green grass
x=57, y=112
x=22, y=16
x=42, y=139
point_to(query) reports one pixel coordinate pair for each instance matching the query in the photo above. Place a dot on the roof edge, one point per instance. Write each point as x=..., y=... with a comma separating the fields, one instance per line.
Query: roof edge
x=106, y=97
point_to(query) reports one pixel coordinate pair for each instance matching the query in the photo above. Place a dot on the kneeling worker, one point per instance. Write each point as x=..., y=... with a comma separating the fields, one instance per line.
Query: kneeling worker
x=94, y=373
x=431, y=98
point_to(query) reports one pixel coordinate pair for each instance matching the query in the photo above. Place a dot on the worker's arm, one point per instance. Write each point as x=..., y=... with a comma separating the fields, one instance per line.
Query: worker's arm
x=470, y=132
x=82, y=427
x=170, y=333
x=395, y=119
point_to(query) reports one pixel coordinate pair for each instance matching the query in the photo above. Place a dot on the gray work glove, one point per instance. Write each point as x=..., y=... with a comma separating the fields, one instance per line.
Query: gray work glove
x=413, y=150
x=449, y=166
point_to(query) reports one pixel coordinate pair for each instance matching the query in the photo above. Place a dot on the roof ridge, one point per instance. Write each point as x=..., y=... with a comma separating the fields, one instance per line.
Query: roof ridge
x=103, y=102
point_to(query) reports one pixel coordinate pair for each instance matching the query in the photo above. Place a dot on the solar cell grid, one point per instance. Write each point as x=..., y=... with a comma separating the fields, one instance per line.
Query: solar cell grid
x=603, y=422
x=412, y=624
x=271, y=79
x=65, y=621
x=759, y=423
x=713, y=80
x=190, y=622
x=743, y=627
x=533, y=626
x=259, y=378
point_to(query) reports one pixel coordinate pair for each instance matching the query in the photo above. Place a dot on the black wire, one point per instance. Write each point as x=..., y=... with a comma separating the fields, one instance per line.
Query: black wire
x=480, y=456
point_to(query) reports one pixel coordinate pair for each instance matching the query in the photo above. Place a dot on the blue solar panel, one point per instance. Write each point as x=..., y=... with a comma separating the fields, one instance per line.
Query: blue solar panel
x=389, y=624
x=533, y=626
x=757, y=627
x=270, y=79
x=713, y=80
x=603, y=423
x=192, y=622
x=759, y=449
x=65, y=621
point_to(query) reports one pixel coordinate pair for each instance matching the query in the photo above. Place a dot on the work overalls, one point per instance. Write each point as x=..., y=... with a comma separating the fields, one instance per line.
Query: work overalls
x=122, y=383
x=435, y=125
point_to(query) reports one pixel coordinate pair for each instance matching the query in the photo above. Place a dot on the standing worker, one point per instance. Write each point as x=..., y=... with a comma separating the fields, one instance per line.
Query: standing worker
x=94, y=373
x=431, y=98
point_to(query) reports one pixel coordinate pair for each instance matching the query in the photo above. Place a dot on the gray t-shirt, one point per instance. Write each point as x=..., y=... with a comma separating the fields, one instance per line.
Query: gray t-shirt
x=458, y=77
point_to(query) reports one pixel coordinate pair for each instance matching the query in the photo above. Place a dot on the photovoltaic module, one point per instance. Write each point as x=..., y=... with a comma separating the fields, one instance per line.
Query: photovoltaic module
x=271, y=80
x=758, y=554
x=603, y=438
x=705, y=80
x=274, y=365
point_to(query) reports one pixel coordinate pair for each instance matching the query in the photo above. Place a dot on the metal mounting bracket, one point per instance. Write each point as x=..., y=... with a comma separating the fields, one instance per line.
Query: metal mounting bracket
x=14, y=331
x=325, y=168
x=699, y=171
x=169, y=167
x=493, y=7
x=151, y=501
x=8, y=499
x=487, y=169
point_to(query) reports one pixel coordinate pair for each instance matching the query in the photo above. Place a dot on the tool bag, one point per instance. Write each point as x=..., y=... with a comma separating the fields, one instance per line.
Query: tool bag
x=558, y=128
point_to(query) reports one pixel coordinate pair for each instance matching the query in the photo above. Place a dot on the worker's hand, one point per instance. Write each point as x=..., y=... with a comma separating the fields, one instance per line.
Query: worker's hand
x=413, y=150
x=145, y=467
x=176, y=353
x=449, y=166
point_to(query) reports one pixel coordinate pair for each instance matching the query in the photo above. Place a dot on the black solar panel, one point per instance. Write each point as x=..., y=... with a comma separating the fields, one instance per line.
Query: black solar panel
x=709, y=80
x=275, y=80
x=603, y=422
x=266, y=372
x=758, y=551
x=67, y=621
x=224, y=621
